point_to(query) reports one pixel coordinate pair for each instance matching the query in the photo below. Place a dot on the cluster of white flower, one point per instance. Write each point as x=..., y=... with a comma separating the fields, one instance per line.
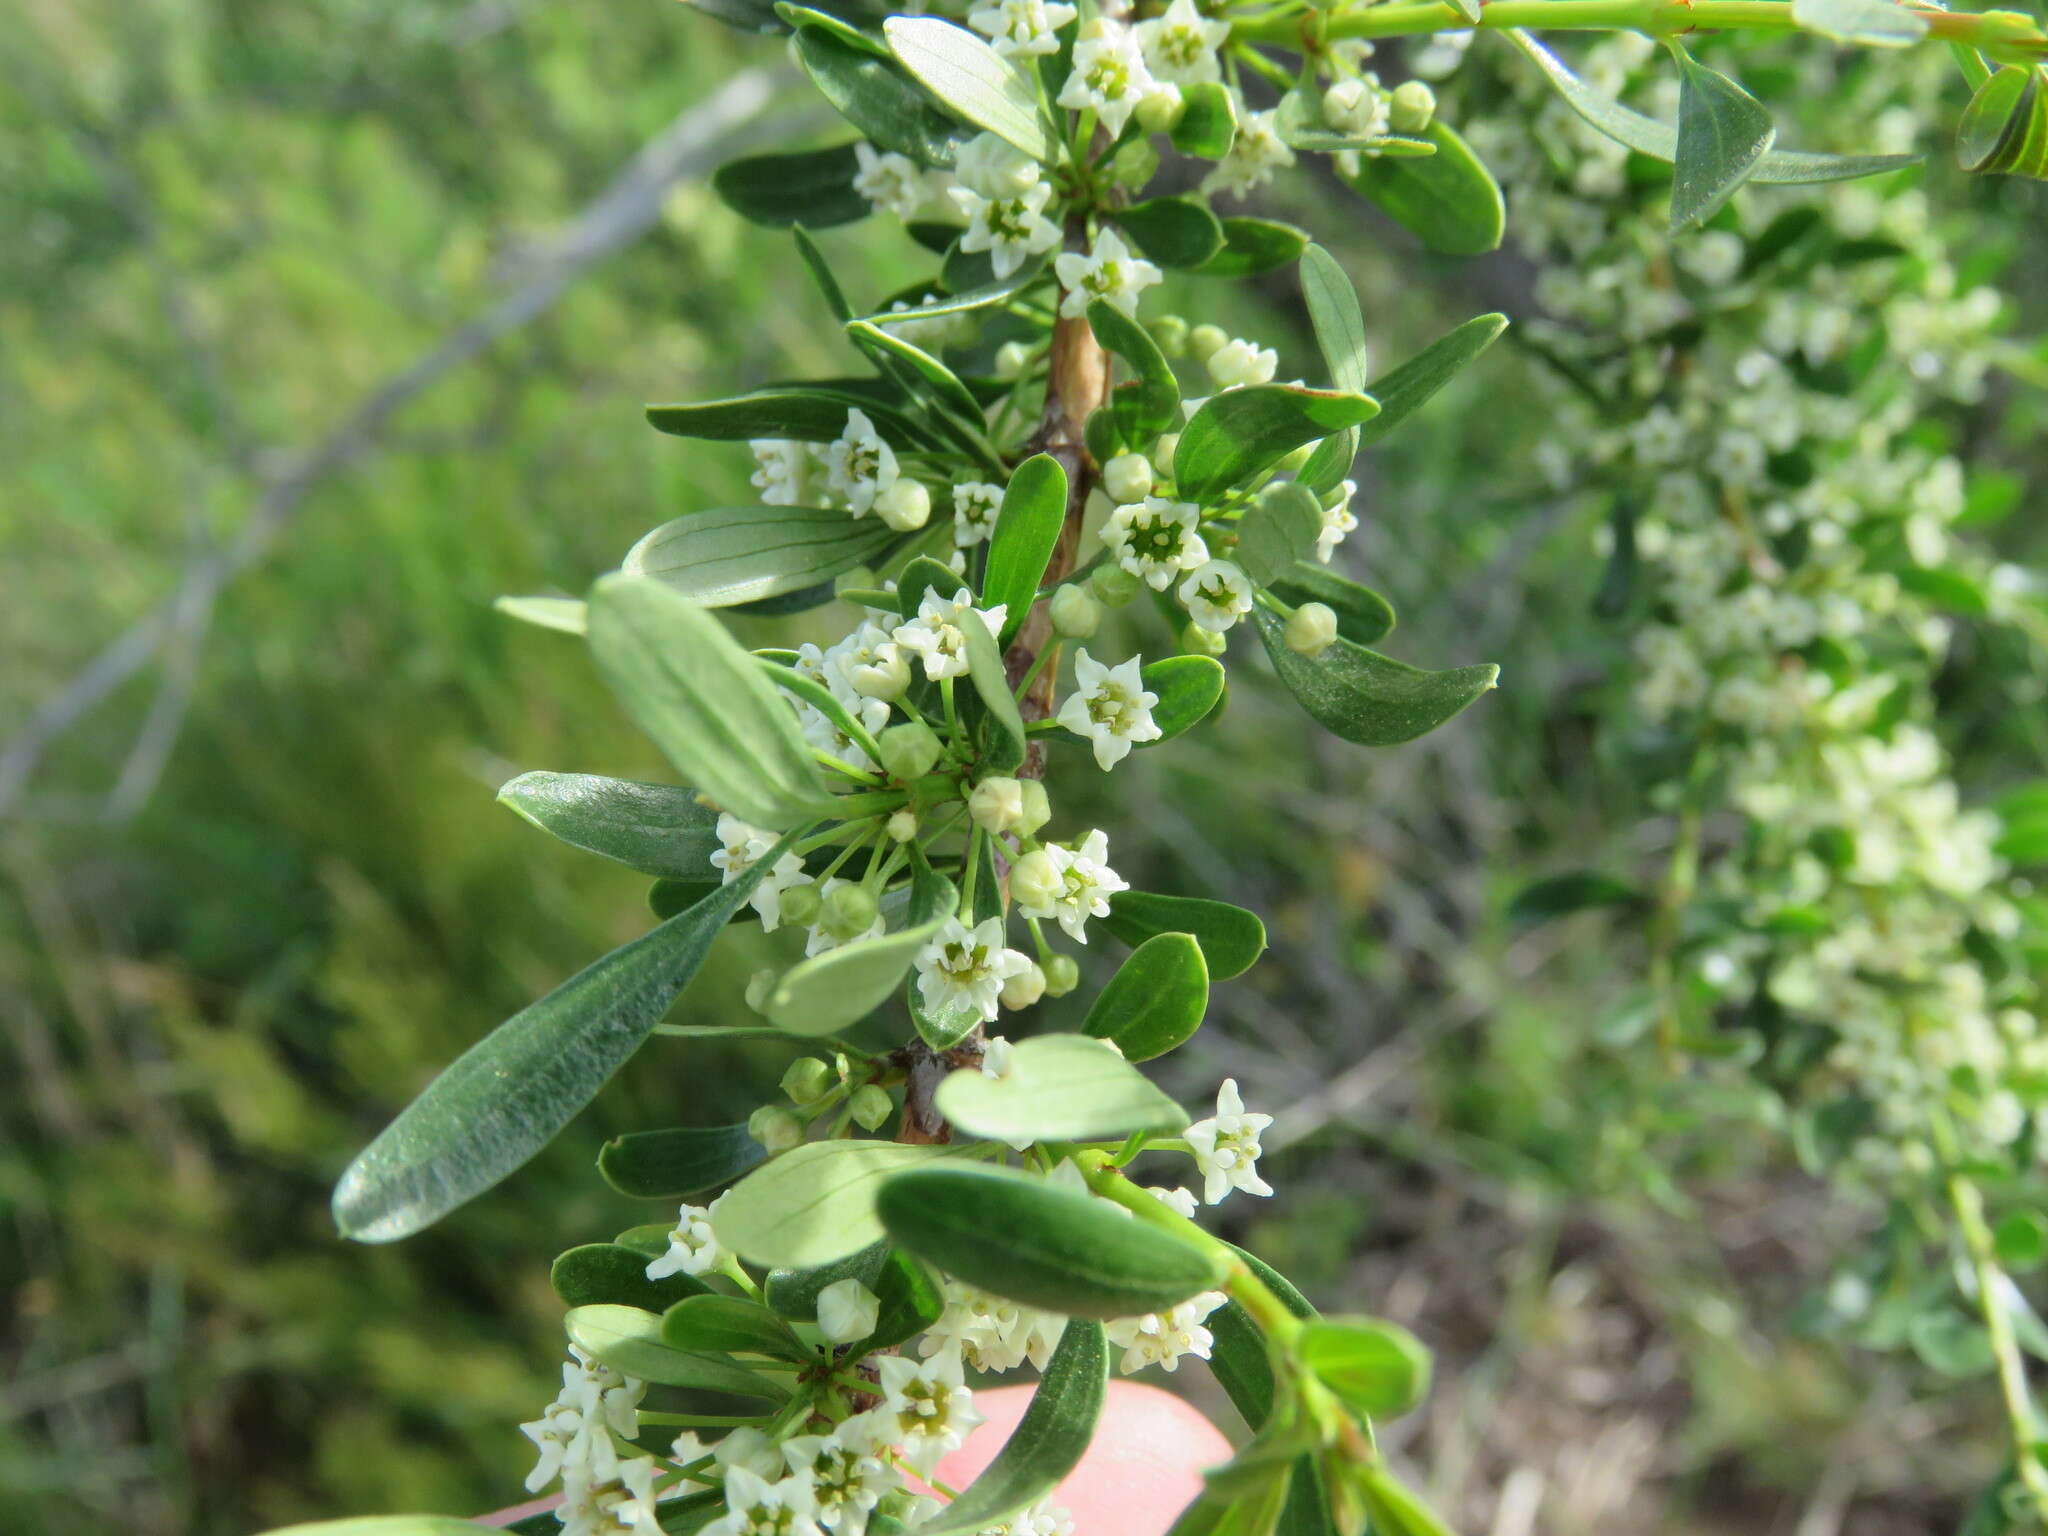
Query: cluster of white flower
x=603, y=1494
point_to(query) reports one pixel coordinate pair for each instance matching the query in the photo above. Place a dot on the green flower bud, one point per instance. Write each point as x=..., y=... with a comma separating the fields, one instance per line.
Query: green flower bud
x=904, y=506
x=871, y=1106
x=1311, y=628
x=910, y=750
x=1170, y=332
x=775, y=1128
x=1412, y=106
x=1205, y=339
x=762, y=982
x=1161, y=111
x=799, y=905
x=806, y=1080
x=1034, y=881
x=1163, y=451
x=902, y=826
x=1136, y=163
x=1114, y=586
x=847, y=1311
x=996, y=802
x=1023, y=989
x=850, y=909
x=1075, y=615
x=1197, y=641
x=1037, y=809
x=1062, y=975
x=1012, y=358
x=1127, y=478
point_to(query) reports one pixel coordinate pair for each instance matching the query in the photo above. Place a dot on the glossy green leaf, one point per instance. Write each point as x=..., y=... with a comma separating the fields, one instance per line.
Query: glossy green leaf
x=1156, y=1000
x=2021, y=1239
x=1186, y=689
x=2004, y=130
x=733, y=1325
x=1231, y=938
x=910, y=1300
x=813, y=187
x=1404, y=390
x=1723, y=131
x=1448, y=199
x=1208, y=121
x=672, y=894
x=815, y=1204
x=972, y=79
x=1378, y=1368
x=929, y=375
x=629, y=1339
x=507, y=1096
x=877, y=97
x=820, y=271
x=1334, y=313
x=730, y=555
x=925, y=575
x=1027, y=527
x=1278, y=532
x=767, y=16
x=1870, y=23
x=1363, y=616
x=1058, y=1088
x=1172, y=231
x=1045, y=1246
x=1241, y=433
x=703, y=700
x=1149, y=404
x=672, y=1164
x=567, y=615
x=803, y=415
x=1366, y=698
x=1048, y=1441
x=1252, y=246
x=841, y=986
x=964, y=300
x=658, y=829
x=609, y=1274
x=1560, y=895
x=990, y=711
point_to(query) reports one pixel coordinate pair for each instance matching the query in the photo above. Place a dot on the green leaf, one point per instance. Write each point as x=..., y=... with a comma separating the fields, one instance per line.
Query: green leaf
x=2021, y=1239
x=821, y=274
x=803, y=415
x=1366, y=698
x=877, y=97
x=1048, y=1441
x=910, y=1302
x=961, y=301
x=841, y=986
x=1363, y=616
x=384, y=1525
x=1722, y=132
x=769, y=18
x=564, y=614
x=1377, y=1368
x=815, y=1204
x=1559, y=895
x=1208, y=121
x=1333, y=311
x=1647, y=136
x=1278, y=532
x=1393, y=1510
x=1252, y=246
x=658, y=829
x=505, y=1098
x=1449, y=199
x=2004, y=130
x=1058, y=1088
x=1149, y=404
x=1187, y=688
x=1156, y=999
x=731, y=555
x=1871, y=23
x=793, y=1293
x=703, y=700
x=813, y=187
x=608, y=1274
x=925, y=575
x=1027, y=527
x=1231, y=938
x=1241, y=433
x=1404, y=390
x=730, y=1325
x=994, y=719
x=932, y=377
x=1031, y=1241
x=629, y=1339
x=672, y=1164
x=1172, y=231
x=972, y=79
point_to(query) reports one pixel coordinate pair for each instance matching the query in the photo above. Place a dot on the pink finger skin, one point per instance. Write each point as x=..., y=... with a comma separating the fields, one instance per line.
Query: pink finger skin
x=1143, y=1468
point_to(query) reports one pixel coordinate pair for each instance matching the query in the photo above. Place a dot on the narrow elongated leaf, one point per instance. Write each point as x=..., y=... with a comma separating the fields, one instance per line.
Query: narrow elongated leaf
x=1208, y=121
x=505, y=1098
x=565, y=614
x=672, y=1164
x=812, y=187
x=1364, y=697
x=934, y=378
x=1339, y=324
x=766, y=16
x=1033, y=1242
x=1241, y=433
x=1380, y=1369
x=816, y=415
x=1252, y=246
x=1172, y=231
x=1363, y=616
x=1058, y=1088
x=990, y=712
x=1149, y=404
x=1403, y=391
x=1559, y=895
x=1231, y=938
x=937, y=306
x=658, y=829
x=1156, y=999
x=877, y=97
x=844, y=985
x=730, y=1325
x=1449, y=199
x=972, y=79
x=1048, y=1441
x=608, y=1274
x=628, y=1339
x=1723, y=131
x=813, y=1205
x=1278, y=532
x=731, y=555
x=1027, y=527
x=703, y=700
x=1871, y=23
x=1187, y=689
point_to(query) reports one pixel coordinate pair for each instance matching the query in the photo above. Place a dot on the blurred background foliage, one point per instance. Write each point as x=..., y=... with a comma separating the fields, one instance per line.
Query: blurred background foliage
x=256, y=895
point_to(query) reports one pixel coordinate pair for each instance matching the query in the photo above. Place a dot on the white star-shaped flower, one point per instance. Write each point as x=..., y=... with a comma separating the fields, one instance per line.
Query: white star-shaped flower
x=1181, y=45
x=936, y=636
x=965, y=968
x=742, y=847
x=1109, y=271
x=1338, y=520
x=1010, y=229
x=1156, y=539
x=847, y=1470
x=783, y=472
x=1077, y=885
x=1022, y=27
x=926, y=1409
x=975, y=505
x=1226, y=1147
x=1111, y=707
x=1165, y=1338
x=892, y=182
x=1109, y=76
x=1217, y=596
x=756, y=1507
x=692, y=1247
x=859, y=465
x=1255, y=154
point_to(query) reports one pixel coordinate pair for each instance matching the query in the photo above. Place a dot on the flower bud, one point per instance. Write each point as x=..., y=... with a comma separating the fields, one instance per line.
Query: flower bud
x=1034, y=881
x=885, y=676
x=1169, y=334
x=1347, y=106
x=1024, y=988
x=1012, y=358
x=762, y=982
x=1062, y=975
x=910, y=750
x=1037, y=809
x=995, y=169
x=800, y=904
x=1114, y=586
x=871, y=1106
x=996, y=802
x=847, y=1311
x=902, y=826
x=1075, y=615
x=1163, y=451
x=1311, y=628
x=850, y=909
x=1413, y=105
x=1204, y=339
x=1127, y=478
x=904, y=506
x=806, y=1080
x=1161, y=111
x=1197, y=641
x=775, y=1128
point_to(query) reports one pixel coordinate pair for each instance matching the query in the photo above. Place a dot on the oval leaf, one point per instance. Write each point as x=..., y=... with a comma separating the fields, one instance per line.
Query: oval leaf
x=1448, y=199
x=831, y=990
x=1240, y=433
x=730, y=555
x=730, y=1325
x=609, y=1274
x=1278, y=532
x=1148, y=404
x=813, y=1205
x=658, y=829
x=877, y=97
x=1333, y=312
x=799, y=414
x=674, y=1163
x=1027, y=527
x=628, y=1339
x=1156, y=999
x=813, y=187
x=1363, y=616
x=972, y=79
x=1231, y=938
x=1208, y=120
x=1252, y=246
x=1366, y=698
x=1173, y=231
x=1723, y=131
x=1403, y=390
x=1058, y=1088
x=1378, y=1368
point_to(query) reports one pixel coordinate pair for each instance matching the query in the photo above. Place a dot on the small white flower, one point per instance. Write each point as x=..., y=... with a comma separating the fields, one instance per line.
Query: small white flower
x=1078, y=886
x=1217, y=596
x=847, y=1472
x=1180, y=1200
x=926, y=1408
x=1255, y=154
x=858, y=464
x=743, y=847
x=1239, y=362
x=965, y=968
x=750, y=1448
x=783, y=472
x=692, y=1247
x=1226, y=1147
x=1010, y=229
x=975, y=505
x=617, y=1503
x=1338, y=520
x=936, y=636
x=1109, y=77
x=892, y=182
x=1164, y=1338
x=994, y=167
x=1109, y=271
x=1181, y=45
x=847, y=1311
x=757, y=1507
x=1044, y=1518
x=1156, y=539
x=566, y=1435
x=1022, y=27
x=1111, y=707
